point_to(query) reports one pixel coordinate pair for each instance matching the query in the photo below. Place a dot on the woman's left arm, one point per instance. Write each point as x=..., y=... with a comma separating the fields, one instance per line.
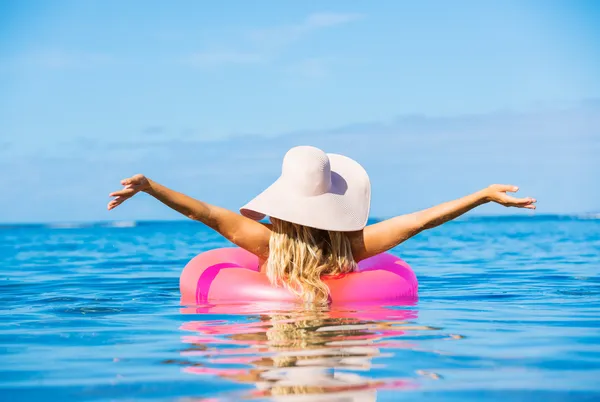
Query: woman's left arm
x=383, y=236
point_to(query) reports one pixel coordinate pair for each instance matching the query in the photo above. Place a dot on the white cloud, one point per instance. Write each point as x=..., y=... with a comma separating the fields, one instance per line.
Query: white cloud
x=283, y=35
x=266, y=43
x=413, y=162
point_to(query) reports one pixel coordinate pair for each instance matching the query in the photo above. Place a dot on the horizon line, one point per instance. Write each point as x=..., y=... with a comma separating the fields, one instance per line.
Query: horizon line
x=116, y=222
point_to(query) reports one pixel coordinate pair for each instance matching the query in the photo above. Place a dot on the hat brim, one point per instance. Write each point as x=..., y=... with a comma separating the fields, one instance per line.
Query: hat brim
x=344, y=208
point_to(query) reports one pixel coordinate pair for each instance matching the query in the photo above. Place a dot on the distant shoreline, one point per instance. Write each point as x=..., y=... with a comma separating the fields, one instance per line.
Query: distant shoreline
x=137, y=223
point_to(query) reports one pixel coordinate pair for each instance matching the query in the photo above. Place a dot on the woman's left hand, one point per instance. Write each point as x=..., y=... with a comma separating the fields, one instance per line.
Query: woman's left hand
x=133, y=185
x=497, y=194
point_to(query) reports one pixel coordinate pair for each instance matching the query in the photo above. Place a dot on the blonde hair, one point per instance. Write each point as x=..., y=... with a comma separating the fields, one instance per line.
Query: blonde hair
x=300, y=255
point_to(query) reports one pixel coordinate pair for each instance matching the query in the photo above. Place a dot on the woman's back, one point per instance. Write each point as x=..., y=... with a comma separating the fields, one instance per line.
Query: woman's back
x=299, y=256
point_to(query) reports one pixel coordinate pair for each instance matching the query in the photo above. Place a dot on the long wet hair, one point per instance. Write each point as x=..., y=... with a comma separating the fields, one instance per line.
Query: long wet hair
x=300, y=255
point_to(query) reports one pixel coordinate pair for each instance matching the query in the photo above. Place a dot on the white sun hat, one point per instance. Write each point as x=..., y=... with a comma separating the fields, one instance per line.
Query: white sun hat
x=318, y=190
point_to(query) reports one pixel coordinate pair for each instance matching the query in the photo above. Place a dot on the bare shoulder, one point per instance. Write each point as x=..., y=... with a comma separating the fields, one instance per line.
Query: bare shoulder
x=382, y=236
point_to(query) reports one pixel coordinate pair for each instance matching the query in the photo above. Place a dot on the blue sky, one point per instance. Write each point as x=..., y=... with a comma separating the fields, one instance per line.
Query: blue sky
x=436, y=99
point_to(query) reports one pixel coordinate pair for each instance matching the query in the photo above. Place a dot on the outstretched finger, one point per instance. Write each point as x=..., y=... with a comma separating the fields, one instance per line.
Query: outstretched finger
x=520, y=201
x=127, y=191
x=133, y=180
x=525, y=201
x=507, y=188
x=114, y=203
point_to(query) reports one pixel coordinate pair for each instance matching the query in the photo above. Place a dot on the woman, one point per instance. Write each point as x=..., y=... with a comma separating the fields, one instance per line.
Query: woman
x=318, y=210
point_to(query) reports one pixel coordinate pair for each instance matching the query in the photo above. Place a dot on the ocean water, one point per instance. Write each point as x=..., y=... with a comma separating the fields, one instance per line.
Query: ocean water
x=509, y=310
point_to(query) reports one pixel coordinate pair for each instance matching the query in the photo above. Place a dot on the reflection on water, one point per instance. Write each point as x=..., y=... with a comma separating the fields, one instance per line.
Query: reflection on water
x=292, y=353
x=90, y=313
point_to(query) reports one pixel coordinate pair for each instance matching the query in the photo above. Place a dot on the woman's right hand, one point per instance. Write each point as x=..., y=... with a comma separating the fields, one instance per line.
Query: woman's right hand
x=497, y=194
x=133, y=185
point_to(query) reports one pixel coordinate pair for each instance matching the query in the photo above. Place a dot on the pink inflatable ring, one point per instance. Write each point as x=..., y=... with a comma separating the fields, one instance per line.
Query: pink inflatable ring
x=232, y=275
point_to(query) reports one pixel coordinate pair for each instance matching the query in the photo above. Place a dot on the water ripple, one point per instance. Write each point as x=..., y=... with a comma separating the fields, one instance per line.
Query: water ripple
x=508, y=310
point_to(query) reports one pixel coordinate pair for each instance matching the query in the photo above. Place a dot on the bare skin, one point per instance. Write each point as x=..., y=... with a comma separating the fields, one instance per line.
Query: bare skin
x=372, y=240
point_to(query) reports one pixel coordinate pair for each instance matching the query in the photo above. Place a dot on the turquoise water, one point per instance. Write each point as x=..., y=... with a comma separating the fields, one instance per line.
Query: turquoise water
x=509, y=309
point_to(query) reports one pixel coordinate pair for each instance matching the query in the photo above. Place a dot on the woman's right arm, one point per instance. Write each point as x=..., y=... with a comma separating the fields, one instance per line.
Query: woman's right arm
x=244, y=232
x=381, y=237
